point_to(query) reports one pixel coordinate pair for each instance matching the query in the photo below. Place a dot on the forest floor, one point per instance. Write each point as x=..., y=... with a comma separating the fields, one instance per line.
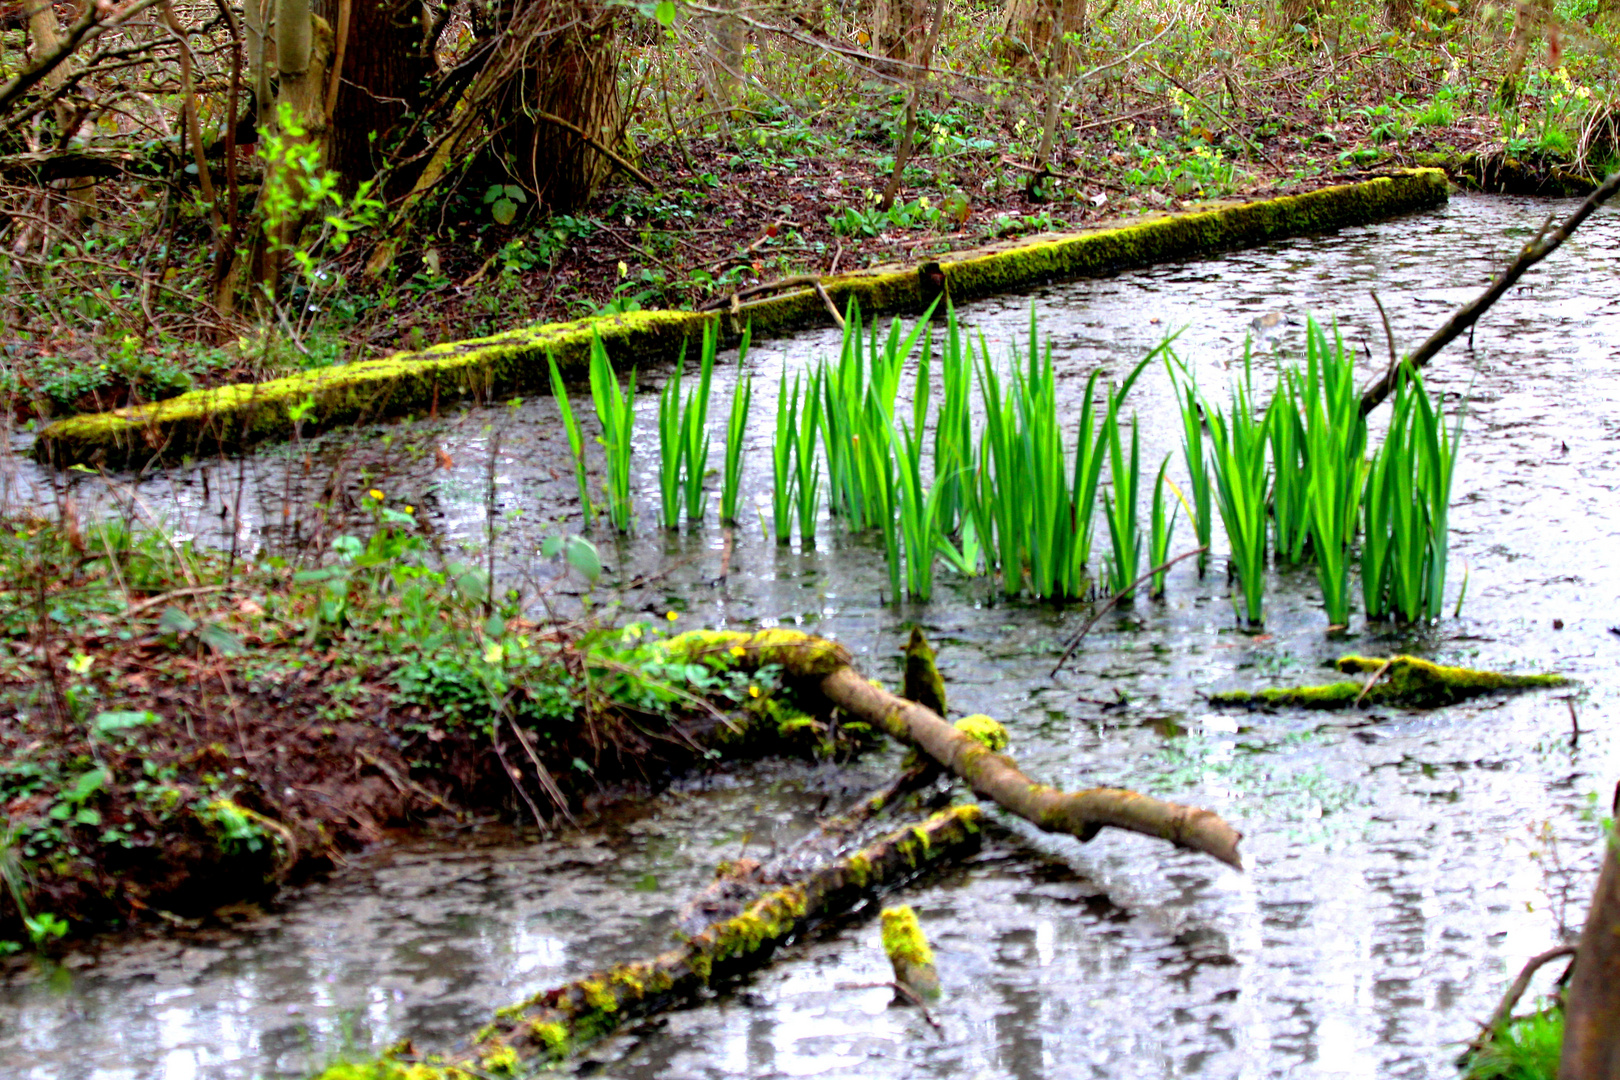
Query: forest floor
x=784, y=199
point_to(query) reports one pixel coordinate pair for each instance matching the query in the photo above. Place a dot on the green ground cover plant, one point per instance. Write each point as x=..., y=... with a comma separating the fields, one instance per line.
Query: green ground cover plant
x=147, y=684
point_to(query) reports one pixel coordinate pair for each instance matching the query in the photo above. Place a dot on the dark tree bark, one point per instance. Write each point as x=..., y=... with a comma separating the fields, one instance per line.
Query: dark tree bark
x=385, y=72
x=572, y=76
x=1592, y=1005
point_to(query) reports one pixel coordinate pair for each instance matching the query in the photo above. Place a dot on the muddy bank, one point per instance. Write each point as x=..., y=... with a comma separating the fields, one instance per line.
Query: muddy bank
x=181, y=734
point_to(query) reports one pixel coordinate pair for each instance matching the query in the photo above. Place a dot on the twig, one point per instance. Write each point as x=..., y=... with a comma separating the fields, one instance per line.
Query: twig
x=904, y=991
x=1377, y=674
x=1259, y=150
x=1539, y=248
x=798, y=281
x=516, y=777
x=82, y=27
x=1389, y=334
x=1054, y=174
x=1504, y=1008
x=596, y=144
x=1074, y=643
x=543, y=773
x=153, y=601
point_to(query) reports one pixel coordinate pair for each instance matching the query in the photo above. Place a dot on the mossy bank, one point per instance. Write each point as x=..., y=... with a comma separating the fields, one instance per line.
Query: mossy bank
x=233, y=417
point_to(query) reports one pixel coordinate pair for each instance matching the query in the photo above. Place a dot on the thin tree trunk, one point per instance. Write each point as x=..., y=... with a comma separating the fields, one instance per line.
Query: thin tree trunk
x=1592, y=1005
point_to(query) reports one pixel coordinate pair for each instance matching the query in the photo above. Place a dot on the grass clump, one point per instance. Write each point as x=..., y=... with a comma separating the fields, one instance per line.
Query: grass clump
x=1523, y=1048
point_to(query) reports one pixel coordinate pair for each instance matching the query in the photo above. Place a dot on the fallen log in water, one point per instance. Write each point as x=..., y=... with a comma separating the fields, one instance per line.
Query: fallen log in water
x=555, y=1023
x=826, y=665
x=1404, y=681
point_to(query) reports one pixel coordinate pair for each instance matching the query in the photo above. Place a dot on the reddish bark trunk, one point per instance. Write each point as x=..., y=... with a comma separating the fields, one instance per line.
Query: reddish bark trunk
x=384, y=68
x=1592, y=1006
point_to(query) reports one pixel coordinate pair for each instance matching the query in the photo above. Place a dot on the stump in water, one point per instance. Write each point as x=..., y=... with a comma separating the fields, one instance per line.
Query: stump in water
x=923, y=683
x=908, y=951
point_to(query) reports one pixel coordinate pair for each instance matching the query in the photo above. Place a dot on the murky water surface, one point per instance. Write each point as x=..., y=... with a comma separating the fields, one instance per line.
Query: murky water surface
x=1404, y=863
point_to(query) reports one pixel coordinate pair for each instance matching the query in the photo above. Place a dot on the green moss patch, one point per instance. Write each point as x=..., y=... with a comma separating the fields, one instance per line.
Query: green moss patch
x=1404, y=681
x=233, y=417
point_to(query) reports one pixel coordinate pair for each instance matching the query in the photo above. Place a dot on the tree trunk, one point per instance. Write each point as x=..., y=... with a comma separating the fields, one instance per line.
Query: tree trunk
x=571, y=73
x=1592, y=1005
x=1032, y=33
x=385, y=68
x=900, y=28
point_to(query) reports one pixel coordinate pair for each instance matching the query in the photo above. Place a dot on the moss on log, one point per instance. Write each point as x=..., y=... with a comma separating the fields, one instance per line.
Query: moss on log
x=550, y=1025
x=908, y=951
x=990, y=774
x=1403, y=681
x=232, y=417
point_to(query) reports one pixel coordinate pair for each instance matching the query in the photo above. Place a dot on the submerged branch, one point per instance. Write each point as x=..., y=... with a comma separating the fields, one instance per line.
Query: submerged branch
x=826, y=665
x=556, y=1022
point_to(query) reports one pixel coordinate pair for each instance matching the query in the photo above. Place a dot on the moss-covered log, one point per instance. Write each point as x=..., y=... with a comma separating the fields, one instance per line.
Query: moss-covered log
x=231, y=417
x=552, y=1024
x=991, y=775
x=1403, y=681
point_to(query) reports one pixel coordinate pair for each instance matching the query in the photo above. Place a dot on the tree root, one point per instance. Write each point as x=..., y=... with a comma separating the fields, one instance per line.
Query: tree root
x=1404, y=681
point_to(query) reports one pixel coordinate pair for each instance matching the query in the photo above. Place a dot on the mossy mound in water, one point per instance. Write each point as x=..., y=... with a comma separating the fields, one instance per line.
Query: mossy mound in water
x=1405, y=681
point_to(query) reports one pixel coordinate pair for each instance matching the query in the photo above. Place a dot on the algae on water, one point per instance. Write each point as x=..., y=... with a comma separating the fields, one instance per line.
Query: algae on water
x=1405, y=681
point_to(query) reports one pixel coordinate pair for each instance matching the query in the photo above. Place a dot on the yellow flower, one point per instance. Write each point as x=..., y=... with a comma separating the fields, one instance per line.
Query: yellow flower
x=624, y=271
x=753, y=691
x=671, y=615
x=375, y=494
x=1583, y=92
x=923, y=202
x=409, y=509
x=738, y=651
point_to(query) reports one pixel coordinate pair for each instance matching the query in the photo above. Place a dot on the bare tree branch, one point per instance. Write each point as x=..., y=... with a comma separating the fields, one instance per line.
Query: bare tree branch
x=1537, y=249
x=84, y=26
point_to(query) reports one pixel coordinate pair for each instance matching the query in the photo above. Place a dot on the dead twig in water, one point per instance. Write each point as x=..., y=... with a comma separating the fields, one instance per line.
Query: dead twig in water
x=1074, y=643
x=1543, y=245
x=797, y=281
x=1504, y=1008
x=904, y=991
x=1372, y=680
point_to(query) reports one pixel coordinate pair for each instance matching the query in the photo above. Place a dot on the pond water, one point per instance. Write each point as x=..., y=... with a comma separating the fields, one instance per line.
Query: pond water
x=1404, y=864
